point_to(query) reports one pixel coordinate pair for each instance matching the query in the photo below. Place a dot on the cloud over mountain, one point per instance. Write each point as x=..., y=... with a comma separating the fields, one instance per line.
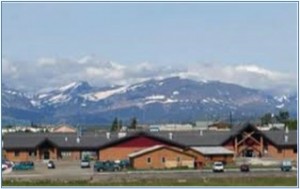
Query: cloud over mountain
x=50, y=72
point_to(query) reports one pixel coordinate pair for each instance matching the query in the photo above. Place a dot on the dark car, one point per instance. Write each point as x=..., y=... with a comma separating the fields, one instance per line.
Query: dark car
x=244, y=168
x=286, y=165
x=106, y=166
x=24, y=165
x=51, y=165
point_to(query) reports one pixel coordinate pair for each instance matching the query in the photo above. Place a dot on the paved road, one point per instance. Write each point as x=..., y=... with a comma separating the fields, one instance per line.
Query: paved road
x=134, y=175
x=72, y=171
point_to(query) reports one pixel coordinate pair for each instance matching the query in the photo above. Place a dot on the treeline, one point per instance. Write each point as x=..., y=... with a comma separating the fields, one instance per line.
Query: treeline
x=117, y=124
x=281, y=117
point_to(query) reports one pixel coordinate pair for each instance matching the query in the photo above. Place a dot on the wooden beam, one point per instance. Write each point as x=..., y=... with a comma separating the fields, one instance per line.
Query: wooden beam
x=254, y=140
x=235, y=146
x=245, y=136
x=261, y=145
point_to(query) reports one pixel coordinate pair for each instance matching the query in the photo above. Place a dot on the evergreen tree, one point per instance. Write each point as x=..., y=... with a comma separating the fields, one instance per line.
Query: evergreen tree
x=114, y=126
x=291, y=124
x=120, y=125
x=133, y=124
x=266, y=119
x=283, y=117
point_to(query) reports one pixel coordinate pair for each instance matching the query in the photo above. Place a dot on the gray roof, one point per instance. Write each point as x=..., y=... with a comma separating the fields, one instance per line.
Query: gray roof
x=21, y=141
x=63, y=140
x=193, y=138
x=95, y=141
x=277, y=137
x=213, y=150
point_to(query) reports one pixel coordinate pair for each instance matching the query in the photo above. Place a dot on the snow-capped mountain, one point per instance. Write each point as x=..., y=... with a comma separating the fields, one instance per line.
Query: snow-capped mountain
x=172, y=99
x=14, y=98
x=62, y=95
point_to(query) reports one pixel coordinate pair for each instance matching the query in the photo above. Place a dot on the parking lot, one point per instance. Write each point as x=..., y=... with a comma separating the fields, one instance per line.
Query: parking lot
x=71, y=170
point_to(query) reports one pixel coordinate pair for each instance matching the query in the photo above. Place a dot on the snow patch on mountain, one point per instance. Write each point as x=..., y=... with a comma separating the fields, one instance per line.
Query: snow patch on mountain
x=155, y=97
x=104, y=94
x=170, y=101
x=69, y=86
x=281, y=98
x=35, y=103
x=59, y=99
x=160, y=83
x=40, y=96
x=134, y=87
x=280, y=106
x=11, y=92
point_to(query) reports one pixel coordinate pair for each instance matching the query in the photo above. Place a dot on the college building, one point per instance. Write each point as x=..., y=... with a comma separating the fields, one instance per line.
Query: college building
x=154, y=150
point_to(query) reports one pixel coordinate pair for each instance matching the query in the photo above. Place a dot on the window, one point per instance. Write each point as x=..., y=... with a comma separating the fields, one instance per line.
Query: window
x=17, y=153
x=295, y=150
x=65, y=154
x=178, y=159
x=279, y=151
x=148, y=160
x=163, y=159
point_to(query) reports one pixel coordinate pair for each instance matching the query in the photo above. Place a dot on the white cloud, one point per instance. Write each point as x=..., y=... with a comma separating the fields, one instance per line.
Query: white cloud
x=52, y=72
x=246, y=75
x=9, y=69
x=47, y=62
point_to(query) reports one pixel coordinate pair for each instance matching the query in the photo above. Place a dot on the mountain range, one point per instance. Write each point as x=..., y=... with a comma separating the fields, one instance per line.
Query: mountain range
x=166, y=100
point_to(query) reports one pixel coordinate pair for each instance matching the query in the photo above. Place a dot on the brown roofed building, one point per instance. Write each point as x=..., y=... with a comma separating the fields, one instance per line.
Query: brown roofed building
x=64, y=129
x=161, y=157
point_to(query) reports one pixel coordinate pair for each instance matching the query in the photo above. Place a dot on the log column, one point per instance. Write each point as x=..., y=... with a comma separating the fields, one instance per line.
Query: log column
x=235, y=146
x=261, y=146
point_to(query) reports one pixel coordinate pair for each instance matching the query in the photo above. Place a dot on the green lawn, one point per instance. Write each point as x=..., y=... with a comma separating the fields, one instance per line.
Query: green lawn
x=259, y=181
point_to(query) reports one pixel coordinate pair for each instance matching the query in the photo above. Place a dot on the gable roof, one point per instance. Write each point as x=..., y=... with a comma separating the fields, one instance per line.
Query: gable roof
x=145, y=134
x=154, y=148
x=64, y=129
x=277, y=137
x=274, y=137
x=146, y=150
x=61, y=140
x=17, y=141
x=179, y=138
x=237, y=129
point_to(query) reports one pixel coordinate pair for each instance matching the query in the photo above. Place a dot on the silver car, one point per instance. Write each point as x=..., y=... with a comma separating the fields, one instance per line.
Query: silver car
x=85, y=164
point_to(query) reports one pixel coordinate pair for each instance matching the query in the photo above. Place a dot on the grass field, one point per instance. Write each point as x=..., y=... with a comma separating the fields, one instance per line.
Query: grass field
x=259, y=181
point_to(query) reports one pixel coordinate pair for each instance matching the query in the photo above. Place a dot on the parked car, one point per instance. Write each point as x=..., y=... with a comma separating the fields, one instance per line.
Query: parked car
x=4, y=166
x=218, y=167
x=85, y=163
x=24, y=165
x=244, y=168
x=106, y=166
x=286, y=165
x=7, y=164
x=124, y=164
x=51, y=165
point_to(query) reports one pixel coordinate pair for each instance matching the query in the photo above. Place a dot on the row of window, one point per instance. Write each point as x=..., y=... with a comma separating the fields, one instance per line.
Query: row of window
x=163, y=159
x=30, y=153
x=65, y=154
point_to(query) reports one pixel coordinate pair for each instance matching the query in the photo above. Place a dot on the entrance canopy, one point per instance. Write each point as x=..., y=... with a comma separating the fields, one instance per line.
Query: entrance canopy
x=213, y=150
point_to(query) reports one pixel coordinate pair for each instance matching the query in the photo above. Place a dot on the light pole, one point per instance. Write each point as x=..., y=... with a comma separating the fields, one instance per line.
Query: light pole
x=286, y=138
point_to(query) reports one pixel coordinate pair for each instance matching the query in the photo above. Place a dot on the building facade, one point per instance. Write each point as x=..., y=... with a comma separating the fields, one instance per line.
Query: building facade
x=204, y=146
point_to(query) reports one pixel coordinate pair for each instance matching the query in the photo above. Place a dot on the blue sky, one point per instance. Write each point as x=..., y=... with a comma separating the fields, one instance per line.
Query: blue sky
x=173, y=35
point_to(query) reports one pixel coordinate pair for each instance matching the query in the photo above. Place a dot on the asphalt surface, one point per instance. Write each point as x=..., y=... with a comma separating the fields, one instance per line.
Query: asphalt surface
x=72, y=171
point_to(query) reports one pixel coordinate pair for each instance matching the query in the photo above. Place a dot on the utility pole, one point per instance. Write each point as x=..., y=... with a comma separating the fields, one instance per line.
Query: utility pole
x=230, y=119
